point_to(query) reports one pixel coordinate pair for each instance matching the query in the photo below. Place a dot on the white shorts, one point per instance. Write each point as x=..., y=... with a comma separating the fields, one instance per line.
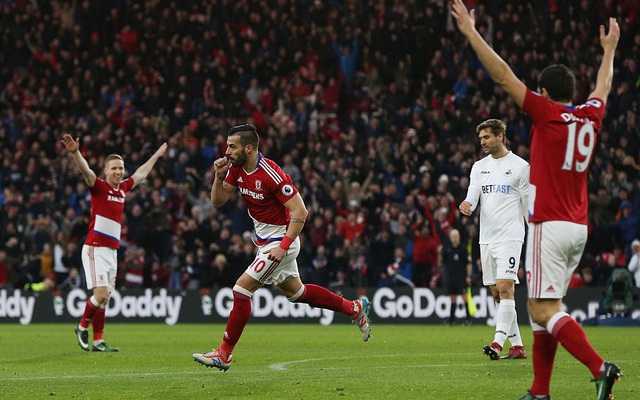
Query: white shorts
x=100, y=266
x=270, y=272
x=500, y=261
x=554, y=249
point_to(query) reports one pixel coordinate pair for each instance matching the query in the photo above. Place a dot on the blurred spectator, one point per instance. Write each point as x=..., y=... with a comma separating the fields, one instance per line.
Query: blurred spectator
x=72, y=281
x=425, y=255
x=352, y=227
x=400, y=270
x=340, y=282
x=634, y=262
x=133, y=268
x=359, y=271
x=221, y=275
x=59, y=268
x=191, y=276
x=628, y=224
x=4, y=270
x=576, y=280
x=160, y=274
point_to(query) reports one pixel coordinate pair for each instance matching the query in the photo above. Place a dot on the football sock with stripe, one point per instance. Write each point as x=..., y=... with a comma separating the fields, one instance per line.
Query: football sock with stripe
x=504, y=319
x=544, y=353
x=317, y=296
x=514, y=332
x=572, y=337
x=238, y=319
x=97, y=321
x=89, y=309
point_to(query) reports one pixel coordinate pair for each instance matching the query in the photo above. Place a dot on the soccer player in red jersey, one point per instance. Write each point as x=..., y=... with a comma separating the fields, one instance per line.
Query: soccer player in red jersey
x=278, y=214
x=99, y=253
x=563, y=139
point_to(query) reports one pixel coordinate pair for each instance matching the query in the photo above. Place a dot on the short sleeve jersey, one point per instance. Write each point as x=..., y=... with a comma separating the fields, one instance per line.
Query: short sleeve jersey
x=501, y=186
x=107, y=206
x=265, y=190
x=563, y=139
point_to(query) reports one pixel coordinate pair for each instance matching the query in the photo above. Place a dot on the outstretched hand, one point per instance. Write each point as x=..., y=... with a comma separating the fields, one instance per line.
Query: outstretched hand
x=465, y=20
x=609, y=41
x=71, y=145
x=162, y=150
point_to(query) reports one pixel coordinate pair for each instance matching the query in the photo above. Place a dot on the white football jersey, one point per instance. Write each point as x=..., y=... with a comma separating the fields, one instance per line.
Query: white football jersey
x=501, y=186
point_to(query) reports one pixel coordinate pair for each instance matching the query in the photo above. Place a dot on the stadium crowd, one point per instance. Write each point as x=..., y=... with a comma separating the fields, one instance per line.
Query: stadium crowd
x=370, y=106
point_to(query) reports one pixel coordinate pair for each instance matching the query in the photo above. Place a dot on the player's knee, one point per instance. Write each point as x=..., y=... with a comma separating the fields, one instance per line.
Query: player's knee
x=537, y=317
x=293, y=298
x=541, y=312
x=101, y=298
x=240, y=290
x=504, y=290
x=496, y=296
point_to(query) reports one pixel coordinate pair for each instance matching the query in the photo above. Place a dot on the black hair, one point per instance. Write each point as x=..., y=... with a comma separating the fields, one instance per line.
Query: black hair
x=559, y=81
x=248, y=134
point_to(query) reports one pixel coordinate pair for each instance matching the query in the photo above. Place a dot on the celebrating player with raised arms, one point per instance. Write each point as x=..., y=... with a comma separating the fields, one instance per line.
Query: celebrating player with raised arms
x=563, y=139
x=99, y=253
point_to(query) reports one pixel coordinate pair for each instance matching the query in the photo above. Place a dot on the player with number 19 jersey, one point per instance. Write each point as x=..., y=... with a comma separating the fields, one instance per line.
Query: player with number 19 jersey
x=264, y=190
x=563, y=139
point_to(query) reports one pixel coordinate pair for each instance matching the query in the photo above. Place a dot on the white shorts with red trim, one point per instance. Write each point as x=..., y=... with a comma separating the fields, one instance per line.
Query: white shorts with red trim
x=554, y=249
x=500, y=261
x=100, y=266
x=270, y=272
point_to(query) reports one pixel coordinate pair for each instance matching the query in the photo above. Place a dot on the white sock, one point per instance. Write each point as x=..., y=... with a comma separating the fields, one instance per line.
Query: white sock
x=504, y=319
x=514, y=331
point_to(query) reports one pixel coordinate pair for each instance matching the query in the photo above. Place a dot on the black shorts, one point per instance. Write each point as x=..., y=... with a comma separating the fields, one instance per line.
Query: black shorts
x=455, y=285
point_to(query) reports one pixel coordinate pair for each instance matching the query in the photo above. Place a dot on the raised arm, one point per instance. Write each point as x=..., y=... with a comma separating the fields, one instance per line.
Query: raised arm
x=609, y=43
x=146, y=168
x=497, y=67
x=73, y=147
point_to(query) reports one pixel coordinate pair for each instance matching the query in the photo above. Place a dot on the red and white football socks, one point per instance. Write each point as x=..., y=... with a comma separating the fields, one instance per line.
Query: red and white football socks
x=238, y=319
x=572, y=337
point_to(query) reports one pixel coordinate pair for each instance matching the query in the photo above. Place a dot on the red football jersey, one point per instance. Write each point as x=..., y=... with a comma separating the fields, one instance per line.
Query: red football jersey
x=563, y=140
x=264, y=190
x=107, y=206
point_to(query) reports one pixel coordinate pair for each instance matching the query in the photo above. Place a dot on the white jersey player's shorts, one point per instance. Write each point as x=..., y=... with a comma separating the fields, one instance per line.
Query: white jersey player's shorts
x=500, y=261
x=270, y=272
x=100, y=266
x=554, y=249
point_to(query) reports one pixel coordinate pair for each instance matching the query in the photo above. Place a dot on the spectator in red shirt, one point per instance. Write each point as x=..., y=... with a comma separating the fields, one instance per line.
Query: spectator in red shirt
x=425, y=255
x=4, y=270
x=129, y=39
x=352, y=227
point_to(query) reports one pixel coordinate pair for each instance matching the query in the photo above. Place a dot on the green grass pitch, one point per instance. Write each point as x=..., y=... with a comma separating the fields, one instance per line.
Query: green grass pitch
x=43, y=361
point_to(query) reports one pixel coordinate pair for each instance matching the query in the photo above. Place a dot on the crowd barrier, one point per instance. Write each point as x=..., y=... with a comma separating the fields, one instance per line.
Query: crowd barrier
x=412, y=306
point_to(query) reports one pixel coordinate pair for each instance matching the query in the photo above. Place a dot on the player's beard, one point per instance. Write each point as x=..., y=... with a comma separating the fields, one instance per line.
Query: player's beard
x=491, y=150
x=240, y=160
